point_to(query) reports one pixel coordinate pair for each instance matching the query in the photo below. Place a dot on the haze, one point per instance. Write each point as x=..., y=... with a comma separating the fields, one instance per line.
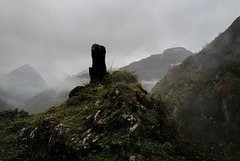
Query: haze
x=55, y=36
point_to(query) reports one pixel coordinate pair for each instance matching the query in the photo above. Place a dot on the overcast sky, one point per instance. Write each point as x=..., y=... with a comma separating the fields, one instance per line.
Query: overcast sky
x=55, y=36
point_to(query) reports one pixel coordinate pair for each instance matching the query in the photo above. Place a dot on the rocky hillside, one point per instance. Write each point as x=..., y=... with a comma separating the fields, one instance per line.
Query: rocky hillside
x=154, y=68
x=20, y=85
x=206, y=87
x=111, y=120
x=8, y=117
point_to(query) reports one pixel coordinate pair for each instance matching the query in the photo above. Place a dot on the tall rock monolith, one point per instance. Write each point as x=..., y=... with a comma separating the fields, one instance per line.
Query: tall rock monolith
x=98, y=69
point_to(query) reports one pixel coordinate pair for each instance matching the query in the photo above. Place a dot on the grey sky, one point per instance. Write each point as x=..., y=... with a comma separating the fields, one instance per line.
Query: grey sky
x=55, y=36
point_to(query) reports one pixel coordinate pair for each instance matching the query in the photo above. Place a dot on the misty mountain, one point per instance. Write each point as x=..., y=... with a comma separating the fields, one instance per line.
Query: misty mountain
x=55, y=96
x=44, y=100
x=206, y=88
x=153, y=68
x=75, y=80
x=20, y=85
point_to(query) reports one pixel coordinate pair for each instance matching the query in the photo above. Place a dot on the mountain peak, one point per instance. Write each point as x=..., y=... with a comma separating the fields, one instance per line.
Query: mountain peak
x=176, y=51
x=25, y=67
x=21, y=84
x=27, y=73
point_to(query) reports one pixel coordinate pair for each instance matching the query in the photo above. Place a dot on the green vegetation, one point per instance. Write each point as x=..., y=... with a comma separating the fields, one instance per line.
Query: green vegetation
x=111, y=120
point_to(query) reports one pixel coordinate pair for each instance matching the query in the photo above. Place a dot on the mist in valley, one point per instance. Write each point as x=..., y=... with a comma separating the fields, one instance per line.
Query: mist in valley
x=57, y=43
x=25, y=88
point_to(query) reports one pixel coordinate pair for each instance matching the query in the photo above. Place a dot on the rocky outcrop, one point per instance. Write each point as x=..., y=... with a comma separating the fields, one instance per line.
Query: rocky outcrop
x=121, y=116
x=98, y=69
x=75, y=91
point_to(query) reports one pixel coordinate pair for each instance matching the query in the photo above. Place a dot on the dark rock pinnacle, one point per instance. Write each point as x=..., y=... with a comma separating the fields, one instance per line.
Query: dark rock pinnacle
x=98, y=69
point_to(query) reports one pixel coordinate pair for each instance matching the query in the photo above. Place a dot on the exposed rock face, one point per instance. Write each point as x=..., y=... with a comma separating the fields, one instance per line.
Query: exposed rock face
x=98, y=69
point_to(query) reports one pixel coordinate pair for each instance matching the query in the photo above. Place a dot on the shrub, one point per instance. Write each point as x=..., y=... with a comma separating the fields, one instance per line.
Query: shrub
x=124, y=76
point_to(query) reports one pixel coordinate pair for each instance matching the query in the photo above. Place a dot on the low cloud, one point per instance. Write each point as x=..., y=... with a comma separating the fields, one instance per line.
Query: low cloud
x=55, y=36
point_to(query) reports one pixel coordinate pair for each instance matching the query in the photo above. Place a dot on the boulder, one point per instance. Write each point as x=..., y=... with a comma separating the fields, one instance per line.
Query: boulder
x=75, y=91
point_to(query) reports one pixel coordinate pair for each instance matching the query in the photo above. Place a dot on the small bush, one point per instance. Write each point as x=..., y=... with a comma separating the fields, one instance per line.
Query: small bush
x=124, y=76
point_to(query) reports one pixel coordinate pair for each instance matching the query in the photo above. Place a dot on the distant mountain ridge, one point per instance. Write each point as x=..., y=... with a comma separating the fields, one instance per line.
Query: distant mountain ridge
x=153, y=68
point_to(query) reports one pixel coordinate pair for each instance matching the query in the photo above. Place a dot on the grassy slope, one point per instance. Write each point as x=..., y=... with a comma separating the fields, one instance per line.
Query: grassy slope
x=111, y=120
